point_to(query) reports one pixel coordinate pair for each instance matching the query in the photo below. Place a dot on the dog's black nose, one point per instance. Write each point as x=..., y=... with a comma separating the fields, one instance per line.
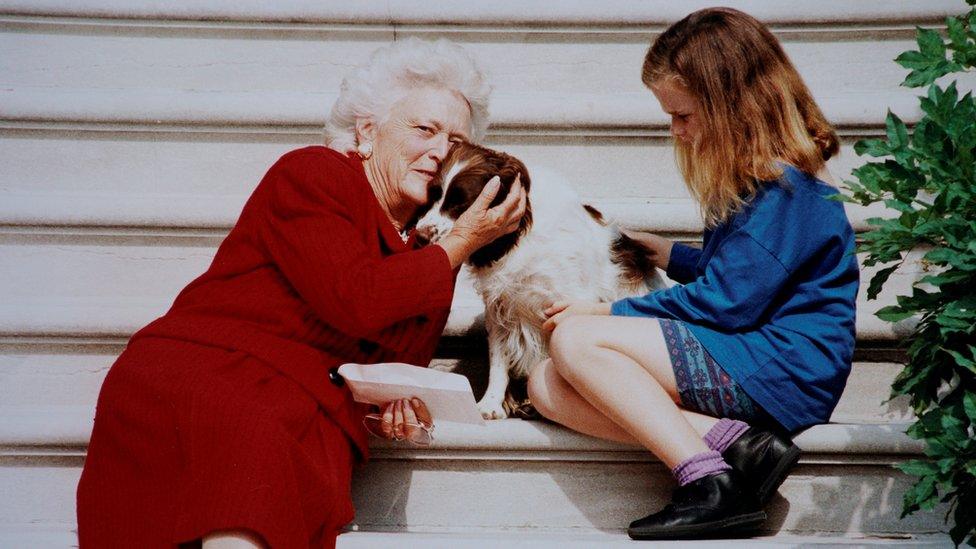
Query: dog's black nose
x=422, y=238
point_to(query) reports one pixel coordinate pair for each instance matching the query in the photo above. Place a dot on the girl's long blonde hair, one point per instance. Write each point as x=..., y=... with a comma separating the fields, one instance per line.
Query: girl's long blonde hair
x=754, y=109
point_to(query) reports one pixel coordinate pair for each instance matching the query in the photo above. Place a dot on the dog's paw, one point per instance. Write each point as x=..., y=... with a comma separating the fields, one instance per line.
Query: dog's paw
x=492, y=410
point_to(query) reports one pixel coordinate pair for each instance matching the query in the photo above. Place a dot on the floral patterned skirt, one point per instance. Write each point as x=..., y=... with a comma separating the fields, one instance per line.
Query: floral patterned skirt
x=703, y=385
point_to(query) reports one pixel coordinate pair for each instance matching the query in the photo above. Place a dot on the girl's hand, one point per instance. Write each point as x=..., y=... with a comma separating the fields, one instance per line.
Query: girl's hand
x=561, y=310
x=658, y=248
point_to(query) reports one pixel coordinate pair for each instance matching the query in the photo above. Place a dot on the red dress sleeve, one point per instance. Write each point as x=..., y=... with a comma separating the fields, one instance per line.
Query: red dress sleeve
x=318, y=217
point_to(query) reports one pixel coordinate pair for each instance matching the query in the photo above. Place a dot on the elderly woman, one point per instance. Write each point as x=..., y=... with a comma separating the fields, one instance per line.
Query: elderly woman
x=224, y=422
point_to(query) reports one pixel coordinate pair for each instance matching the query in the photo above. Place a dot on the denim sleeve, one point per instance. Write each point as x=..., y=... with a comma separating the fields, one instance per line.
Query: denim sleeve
x=682, y=263
x=736, y=289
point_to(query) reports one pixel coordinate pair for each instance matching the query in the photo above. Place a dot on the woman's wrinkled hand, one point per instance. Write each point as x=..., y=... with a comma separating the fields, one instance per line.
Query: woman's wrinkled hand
x=403, y=418
x=481, y=223
x=561, y=310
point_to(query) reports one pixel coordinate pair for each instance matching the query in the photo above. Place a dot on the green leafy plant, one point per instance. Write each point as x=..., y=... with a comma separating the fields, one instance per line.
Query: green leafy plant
x=928, y=177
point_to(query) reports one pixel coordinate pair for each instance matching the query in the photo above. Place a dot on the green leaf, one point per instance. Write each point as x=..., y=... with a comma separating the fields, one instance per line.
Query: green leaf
x=904, y=207
x=841, y=197
x=962, y=361
x=947, y=256
x=877, y=282
x=930, y=43
x=950, y=277
x=918, y=468
x=969, y=402
x=957, y=32
x=915, y=60
x=893, y=313
x=921, y=493
x=872, y=147
x=896, y=131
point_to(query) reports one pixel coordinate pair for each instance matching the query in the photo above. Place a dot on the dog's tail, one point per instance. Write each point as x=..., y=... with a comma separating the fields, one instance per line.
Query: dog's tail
x=633, y=257
x=595, y=214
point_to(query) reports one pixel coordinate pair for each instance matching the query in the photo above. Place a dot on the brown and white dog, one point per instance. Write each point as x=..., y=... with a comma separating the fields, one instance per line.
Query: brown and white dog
x=562, y=250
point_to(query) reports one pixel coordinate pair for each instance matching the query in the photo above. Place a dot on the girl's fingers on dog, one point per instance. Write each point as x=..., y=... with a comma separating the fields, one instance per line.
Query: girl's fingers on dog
x=556, y=307
x=423, y=414
x=550, y=325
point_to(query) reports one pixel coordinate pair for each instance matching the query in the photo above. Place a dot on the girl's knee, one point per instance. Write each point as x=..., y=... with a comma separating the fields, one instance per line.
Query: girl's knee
x=569, y=338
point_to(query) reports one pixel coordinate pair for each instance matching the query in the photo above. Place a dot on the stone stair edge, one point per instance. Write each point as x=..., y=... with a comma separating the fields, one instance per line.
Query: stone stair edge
x=66, y=429
x=502, y=12
x=65, y=535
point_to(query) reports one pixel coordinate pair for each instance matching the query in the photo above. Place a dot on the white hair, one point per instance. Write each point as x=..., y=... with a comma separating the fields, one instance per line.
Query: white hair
x=395, y=70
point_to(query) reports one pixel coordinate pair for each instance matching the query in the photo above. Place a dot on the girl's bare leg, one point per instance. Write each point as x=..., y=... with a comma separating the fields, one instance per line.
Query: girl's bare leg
x=558, y=401
x=621, y=367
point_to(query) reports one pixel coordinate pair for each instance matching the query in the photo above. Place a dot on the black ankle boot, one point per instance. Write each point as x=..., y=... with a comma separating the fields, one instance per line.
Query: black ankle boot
x=711, y=506
x=764, y=459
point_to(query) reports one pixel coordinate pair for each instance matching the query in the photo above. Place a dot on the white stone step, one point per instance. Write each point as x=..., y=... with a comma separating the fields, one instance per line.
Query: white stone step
x=180, y=177
x=515, y=13
x=45, y=394
x=515, y=474
x=112, y=286
x=66, y=537
x=518, y=474
x=123, y=71
x=549, y=540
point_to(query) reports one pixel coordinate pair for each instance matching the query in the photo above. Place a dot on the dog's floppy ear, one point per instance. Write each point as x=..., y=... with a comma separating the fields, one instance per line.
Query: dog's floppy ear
x=509, y=169
x=516, y=165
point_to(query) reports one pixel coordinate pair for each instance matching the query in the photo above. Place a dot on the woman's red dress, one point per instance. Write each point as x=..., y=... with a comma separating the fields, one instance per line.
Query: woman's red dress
x=221, y=415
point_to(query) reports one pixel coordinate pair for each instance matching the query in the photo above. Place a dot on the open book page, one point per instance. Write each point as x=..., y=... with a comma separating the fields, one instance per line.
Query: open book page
x=448, y=396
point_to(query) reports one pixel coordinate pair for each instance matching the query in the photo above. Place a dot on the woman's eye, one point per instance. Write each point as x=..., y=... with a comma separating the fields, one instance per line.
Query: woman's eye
x=425, y=129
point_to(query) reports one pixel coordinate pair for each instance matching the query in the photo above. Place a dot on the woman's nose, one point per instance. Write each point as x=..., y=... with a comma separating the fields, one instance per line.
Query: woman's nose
x=440, y=147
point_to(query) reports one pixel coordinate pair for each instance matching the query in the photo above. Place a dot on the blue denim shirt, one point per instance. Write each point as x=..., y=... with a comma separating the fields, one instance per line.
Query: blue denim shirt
x=771, y=295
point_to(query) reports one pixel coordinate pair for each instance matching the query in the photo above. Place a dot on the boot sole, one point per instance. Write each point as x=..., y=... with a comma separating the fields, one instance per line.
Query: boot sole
x=778, y=474
x=738, y=523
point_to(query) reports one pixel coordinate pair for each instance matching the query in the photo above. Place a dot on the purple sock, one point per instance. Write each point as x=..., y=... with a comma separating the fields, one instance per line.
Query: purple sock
x=698, y=466
x=724, y=433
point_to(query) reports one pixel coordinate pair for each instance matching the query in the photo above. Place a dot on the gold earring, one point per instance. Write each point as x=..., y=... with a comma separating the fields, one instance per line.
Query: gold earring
x=365, y=150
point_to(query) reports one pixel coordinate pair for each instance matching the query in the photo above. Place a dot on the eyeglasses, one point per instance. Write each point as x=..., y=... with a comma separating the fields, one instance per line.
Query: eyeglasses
x=414, y=433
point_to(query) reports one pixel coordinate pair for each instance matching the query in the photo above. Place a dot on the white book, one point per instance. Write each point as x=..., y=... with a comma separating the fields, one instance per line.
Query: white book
x=448, y=396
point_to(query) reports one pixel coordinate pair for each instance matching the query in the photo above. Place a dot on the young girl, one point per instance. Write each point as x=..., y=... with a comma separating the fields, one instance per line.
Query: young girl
x=761, y=334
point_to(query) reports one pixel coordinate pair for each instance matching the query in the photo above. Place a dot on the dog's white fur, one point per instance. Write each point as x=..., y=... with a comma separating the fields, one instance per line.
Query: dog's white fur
x=566, y=255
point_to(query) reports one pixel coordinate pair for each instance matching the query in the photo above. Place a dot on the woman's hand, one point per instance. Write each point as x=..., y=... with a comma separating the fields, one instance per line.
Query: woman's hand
x=561, y=310
x=658, y=248
x=401, y=419
x=481, y=224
